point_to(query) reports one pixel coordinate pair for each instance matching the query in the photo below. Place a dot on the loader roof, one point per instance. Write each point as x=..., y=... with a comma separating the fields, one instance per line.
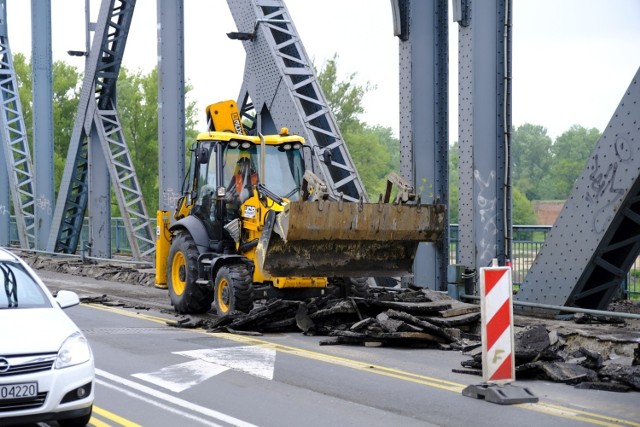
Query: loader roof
x=268, y=139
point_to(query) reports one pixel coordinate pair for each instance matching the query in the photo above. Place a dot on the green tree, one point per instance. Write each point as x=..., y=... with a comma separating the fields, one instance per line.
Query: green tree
x=138, y=111
x=66, y=89
x=66, y=93
x=371, y=149
x=531, y=159
x=374, y=149
x=344, y=97
x=522, y=212
x=570, y=151
x=22, y=68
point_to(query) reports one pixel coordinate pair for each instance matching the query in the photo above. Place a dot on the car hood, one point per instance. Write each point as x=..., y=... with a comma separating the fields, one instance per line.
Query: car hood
x=33, y=330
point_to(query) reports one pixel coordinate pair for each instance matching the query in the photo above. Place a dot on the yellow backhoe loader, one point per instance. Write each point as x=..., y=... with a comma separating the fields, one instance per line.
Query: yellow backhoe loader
x=253, y=223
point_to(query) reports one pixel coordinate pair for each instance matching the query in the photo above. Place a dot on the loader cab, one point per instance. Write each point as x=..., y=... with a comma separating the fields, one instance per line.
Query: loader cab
x=284, y=166
x=226, y=168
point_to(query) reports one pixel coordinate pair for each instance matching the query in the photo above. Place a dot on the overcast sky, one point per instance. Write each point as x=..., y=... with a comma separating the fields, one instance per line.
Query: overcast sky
x=572, y=59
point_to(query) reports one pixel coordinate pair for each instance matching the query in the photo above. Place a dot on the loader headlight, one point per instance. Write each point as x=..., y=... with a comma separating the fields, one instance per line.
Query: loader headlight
x=233, y=144
x=297, y=146
x=221, y=192
x=286, y=147
x=245, y=145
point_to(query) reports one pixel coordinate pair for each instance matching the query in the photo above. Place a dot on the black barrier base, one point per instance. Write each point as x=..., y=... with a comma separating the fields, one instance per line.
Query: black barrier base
x=506, y=394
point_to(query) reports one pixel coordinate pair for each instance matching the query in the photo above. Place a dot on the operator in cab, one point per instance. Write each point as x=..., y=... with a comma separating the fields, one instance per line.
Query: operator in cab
x=244, y=178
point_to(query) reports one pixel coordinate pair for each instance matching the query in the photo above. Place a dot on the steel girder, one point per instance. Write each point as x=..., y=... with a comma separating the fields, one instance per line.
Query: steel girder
x=484, y=94
x=41, y=64
x=281, y=84
x=97, y=116
x=424, y=136
x=596, y=238
x=15, y=145
x=171, y=104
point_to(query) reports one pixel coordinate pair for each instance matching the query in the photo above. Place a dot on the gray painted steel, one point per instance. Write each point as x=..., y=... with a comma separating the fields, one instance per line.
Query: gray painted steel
x=41, y=63
x=5, y=214
x=484, y=90
x=282, y=86
x=97, y=107
x=171, y=115
x=14, y=143
x=99, y=244
x=424, y=135
x=596, y=237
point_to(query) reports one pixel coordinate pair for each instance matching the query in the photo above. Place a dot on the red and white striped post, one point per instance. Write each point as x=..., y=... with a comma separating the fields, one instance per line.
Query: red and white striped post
x=496, y=305
x=498, y=353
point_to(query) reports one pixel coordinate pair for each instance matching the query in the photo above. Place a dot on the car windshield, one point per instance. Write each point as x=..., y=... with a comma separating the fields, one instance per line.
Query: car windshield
x=18, y=289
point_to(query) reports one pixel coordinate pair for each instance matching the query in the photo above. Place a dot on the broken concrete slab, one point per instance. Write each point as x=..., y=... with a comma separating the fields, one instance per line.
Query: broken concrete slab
x=568, y=373
x=530, y=343
x=629, y=375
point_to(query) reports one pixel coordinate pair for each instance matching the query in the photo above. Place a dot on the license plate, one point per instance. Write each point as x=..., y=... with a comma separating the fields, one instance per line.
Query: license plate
x=18, y=391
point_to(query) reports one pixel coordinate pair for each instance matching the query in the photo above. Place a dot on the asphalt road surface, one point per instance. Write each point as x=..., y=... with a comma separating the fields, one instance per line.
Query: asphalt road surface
x=152, y=374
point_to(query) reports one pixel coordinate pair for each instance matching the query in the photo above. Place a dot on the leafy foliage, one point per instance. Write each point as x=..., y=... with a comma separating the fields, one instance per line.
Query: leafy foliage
x=531, y=159
x=374, y=149
x=66, y=90
x=137, y=109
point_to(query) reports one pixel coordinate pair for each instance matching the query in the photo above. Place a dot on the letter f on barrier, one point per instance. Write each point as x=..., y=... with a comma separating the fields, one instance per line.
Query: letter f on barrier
x=496, y=355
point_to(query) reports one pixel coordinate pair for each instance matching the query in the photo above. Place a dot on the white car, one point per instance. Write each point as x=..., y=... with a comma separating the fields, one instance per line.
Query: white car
x=46, y=363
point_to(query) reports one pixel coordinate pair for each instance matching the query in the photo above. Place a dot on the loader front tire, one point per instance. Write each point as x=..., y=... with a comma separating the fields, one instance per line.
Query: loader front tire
x=233, y=289
x=187, y=297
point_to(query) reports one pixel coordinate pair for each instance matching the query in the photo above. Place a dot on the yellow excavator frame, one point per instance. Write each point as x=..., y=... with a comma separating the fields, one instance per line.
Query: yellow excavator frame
x=252, y=228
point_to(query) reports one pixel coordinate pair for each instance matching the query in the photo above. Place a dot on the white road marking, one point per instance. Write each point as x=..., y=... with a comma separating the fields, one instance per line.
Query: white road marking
x=174, y=400
x=257, y=361
x=161, y=405
x=182, y=376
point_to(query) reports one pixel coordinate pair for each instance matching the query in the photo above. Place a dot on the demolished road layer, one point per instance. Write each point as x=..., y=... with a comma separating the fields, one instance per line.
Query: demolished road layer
x=585, y=351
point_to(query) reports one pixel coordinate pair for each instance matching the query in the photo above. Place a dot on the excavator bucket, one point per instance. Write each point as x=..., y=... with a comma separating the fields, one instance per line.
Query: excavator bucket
x=344, y=239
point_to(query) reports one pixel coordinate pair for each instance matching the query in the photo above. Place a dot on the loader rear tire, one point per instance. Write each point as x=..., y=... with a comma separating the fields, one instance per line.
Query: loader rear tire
x=187, y=297
x=233, y=289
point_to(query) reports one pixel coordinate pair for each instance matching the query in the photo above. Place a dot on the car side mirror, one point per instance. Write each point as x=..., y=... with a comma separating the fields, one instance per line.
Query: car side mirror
x=67, y=299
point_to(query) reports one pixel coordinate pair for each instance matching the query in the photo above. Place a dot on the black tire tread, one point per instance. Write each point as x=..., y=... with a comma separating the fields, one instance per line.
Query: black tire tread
x=195, y=299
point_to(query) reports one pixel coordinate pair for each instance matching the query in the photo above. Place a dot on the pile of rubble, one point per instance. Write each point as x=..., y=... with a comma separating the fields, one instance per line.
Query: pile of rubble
x=137, y=274
x=399, y=317
x=547, y=354
x=572, y=352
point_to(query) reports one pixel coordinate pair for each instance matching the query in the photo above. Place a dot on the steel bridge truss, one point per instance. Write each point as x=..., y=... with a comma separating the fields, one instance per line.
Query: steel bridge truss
x=97, y=117
x=280, y=83
x=15, y=145
x=596, y=238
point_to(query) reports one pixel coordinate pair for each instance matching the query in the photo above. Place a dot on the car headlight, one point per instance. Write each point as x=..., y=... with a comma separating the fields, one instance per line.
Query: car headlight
x=74, y=350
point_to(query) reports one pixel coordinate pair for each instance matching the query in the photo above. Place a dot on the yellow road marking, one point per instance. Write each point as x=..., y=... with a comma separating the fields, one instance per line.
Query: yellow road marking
x=543, y=407
x=577, y=414
x=97, y=423
x=110, y=416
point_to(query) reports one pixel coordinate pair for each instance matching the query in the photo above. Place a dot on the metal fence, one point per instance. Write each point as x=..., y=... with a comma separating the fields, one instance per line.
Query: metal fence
x=526, y=243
